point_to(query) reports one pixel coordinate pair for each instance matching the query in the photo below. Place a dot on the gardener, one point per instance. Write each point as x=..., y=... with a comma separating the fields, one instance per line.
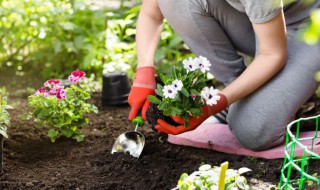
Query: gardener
x=261, y=98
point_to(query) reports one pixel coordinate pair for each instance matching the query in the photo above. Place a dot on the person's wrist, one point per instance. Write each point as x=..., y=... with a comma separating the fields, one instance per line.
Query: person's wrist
x=145, y=77
x=221, y=104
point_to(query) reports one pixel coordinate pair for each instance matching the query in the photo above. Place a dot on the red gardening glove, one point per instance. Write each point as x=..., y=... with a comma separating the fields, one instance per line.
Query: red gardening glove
x=144, y=84
x=194, y=122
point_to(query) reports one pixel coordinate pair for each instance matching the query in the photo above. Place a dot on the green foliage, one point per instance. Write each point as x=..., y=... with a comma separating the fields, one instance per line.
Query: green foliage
x=312, y=34
x=53, y=37
x=64, y=116
x=4, y=116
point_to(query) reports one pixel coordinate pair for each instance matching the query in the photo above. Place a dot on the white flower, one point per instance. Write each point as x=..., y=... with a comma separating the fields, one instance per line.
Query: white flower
x=210, y=95
x=190, y=64
x=203, y=63
x=177, y=84
x=205, y=167
x=169, y=91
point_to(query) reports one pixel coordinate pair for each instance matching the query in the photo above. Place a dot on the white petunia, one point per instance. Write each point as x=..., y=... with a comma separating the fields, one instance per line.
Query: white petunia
x=169, y=91
x=210, y=95
x=203, y=63
x=190, y=64
x=177, y=84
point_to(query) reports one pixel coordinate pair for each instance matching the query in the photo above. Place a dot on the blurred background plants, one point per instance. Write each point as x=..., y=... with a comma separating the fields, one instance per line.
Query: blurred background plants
x=52, y=38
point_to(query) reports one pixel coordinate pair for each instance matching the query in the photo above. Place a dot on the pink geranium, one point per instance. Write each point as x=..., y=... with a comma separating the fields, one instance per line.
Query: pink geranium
x=56, y=89
x=52, y=82
x=61, y=94
x=76, y=76
x=43, y=91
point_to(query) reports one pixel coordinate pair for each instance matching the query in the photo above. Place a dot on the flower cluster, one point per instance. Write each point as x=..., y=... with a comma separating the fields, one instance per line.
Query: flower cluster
x=207, y=178
x=185, y=91
x=63, y=109
x=52, y=87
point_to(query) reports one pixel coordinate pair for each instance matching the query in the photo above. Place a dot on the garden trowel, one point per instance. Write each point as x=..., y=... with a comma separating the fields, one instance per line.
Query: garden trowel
x=131, y=141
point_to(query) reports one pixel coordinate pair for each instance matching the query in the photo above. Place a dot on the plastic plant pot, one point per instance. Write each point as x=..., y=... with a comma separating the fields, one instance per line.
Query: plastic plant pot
x=295, y=172
x=115, y=88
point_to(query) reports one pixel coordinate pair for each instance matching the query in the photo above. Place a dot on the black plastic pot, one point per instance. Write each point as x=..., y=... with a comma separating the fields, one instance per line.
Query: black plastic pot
x=1, y=154
x=115, y=88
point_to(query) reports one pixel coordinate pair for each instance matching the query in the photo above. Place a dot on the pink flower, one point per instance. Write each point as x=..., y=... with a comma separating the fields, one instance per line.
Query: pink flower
x=56, y=89
x=43, y=91
x=76, y=76
x=61, y=94
x=193, y=96
x=52, y=82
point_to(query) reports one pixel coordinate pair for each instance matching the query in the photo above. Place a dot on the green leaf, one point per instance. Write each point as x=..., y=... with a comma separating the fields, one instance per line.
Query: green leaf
x=53, y=134
x=185, y=92
x=175, y=41
x=79, y=137
x=3, y=133
x=193, y=91
x=163, y=78
x=67, y=132
x=159, y=92
x=43, y=113
x=154, y=100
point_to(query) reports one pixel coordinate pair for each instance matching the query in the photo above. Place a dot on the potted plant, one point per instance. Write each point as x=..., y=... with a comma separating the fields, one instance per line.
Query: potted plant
x=4, y=123
x=62, y=109
x=183, y=93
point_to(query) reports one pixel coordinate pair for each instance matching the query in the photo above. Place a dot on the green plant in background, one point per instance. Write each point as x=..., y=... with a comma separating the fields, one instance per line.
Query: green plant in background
x=63, y=109
x=207, y=178
x=55, y=37
x=51, y=37
x=4, y=116
x=312, y=34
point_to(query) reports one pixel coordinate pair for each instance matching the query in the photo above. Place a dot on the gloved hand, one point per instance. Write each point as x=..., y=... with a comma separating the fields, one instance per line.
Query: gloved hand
x=164, y=127
x=144, y=85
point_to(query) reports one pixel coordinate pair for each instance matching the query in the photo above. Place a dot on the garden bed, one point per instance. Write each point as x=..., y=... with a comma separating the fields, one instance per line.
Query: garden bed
x=32, y=161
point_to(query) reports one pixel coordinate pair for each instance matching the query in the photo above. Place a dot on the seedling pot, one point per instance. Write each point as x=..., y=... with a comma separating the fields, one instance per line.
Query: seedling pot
x=115, y=88
x=153, y=114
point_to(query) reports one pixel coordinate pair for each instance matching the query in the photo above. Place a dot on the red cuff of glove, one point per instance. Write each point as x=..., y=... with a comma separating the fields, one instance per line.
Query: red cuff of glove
x=143, y=85
x=144, y=78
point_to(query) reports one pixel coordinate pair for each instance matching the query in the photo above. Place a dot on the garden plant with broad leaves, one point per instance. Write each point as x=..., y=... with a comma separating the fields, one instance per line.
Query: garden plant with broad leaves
x=4, y=116
x=63, y=109
x=185, y=92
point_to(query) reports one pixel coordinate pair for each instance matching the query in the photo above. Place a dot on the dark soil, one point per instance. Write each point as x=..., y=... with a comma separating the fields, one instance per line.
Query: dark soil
x=32, y=161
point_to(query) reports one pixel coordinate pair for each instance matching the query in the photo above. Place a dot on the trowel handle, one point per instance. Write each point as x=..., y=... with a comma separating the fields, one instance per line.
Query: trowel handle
x=138, y=121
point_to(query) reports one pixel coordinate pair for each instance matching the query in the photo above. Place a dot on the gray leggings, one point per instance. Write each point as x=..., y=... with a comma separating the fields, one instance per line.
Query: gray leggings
x=214, y=29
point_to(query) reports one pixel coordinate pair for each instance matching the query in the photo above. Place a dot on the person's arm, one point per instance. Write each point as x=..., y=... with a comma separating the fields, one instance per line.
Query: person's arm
x=270, y=60
x=149, y=27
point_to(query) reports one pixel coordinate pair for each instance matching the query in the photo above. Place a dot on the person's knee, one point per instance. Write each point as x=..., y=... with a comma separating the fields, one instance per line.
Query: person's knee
x=257, y=134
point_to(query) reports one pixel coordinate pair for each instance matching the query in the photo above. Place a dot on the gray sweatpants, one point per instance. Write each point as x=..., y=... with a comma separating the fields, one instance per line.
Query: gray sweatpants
x=214, y=29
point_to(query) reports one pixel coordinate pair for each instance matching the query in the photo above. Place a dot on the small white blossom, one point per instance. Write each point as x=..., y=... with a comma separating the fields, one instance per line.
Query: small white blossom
x=210, y=95
x=169, y=91
x=190, y=64
x=177, y=84
x=203, y=63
